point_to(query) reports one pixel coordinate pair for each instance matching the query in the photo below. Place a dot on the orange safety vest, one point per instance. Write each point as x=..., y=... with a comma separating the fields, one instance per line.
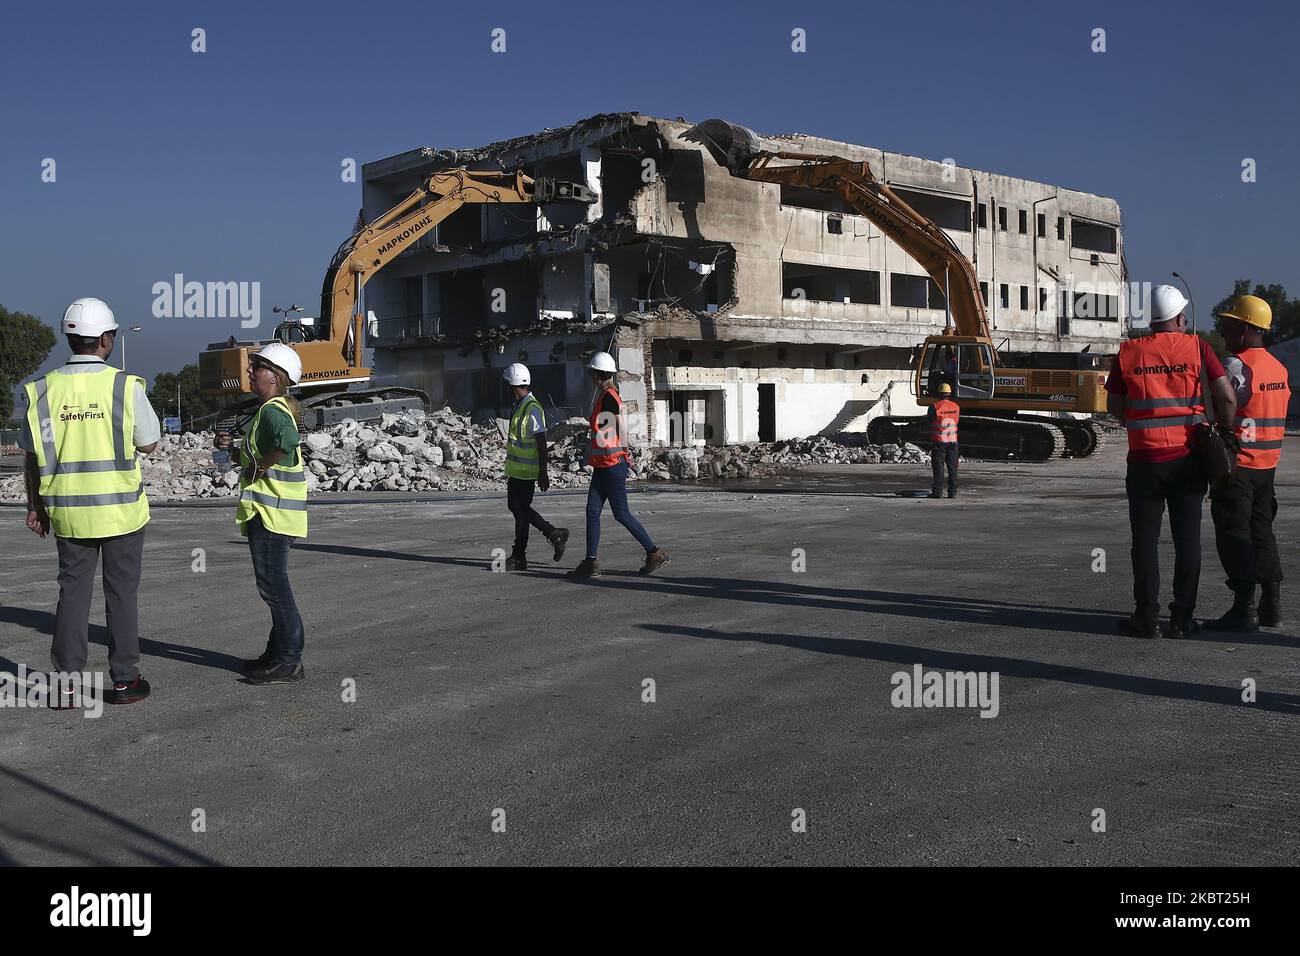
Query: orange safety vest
x=607, y=447
x=1261, y=421
x=943, y=429
x=1163, y=404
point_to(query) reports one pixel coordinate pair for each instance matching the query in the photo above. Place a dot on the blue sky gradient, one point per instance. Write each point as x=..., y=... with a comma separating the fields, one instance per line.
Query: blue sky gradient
x=225, y=165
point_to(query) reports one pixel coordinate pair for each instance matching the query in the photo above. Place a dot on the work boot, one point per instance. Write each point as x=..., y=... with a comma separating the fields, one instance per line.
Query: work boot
x=127, y=692
x=952, y=494
x=654, y=560
x=1270, y=604
x=587, y=569
x=1241, y=618
x=278, y=674
x=1137, y=626
x=1179, y=629
x=516, y=562
x=934, y=494
x=559, y=538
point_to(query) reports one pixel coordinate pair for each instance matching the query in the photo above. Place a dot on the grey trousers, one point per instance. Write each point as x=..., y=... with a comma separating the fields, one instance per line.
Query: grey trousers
x=77, y=560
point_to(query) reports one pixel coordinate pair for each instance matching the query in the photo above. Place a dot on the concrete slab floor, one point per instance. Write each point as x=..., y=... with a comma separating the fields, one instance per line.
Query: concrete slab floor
x=478, y=692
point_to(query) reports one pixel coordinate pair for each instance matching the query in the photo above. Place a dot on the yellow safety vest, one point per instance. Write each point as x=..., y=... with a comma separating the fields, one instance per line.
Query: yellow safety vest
x=279, y=498
x=521, y=450
x=82, y=428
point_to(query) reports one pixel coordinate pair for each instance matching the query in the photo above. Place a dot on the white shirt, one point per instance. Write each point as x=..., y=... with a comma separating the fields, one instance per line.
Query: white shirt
x=147, y=428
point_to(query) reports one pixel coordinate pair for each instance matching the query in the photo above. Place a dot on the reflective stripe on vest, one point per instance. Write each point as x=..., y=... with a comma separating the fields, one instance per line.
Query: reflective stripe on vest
x=608, y=445
x=1162, y=402
x=279, y=497
x=89, y=481
x=521, y=449
x=943, y=429
x=1261, y=422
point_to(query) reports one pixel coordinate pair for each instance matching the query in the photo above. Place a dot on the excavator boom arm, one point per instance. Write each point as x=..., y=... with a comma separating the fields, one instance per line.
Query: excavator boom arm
x=375, y=245
x=914, y=233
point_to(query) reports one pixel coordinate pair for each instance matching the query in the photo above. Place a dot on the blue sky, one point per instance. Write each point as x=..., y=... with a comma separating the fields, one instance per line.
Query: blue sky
x=225, y=165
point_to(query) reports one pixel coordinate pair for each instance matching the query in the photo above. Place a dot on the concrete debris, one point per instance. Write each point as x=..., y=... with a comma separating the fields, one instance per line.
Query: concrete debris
x=446, y=451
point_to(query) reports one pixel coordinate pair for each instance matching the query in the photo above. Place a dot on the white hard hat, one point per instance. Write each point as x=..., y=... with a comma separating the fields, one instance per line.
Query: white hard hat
x=283, y=358
x=602, y=362
x=1166, y=303
x=517, y=374
x=88, y=317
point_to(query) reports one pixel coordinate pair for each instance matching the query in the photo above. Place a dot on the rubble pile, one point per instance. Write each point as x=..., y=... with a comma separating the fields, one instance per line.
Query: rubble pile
x=446, y=451
x=775, y=458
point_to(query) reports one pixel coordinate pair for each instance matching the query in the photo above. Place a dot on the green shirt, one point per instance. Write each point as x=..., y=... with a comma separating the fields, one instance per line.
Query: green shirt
x=277, y=429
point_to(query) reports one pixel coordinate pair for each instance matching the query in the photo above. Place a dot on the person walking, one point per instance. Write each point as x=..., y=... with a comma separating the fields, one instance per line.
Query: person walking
x=526, y=469
x=1243, y=510
x=272, y=508
x=1154, y=387
x=608, y=456
x=83, y=425
x=943, y=416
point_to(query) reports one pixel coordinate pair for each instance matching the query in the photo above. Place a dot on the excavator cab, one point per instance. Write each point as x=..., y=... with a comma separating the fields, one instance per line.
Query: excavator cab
x=963, y=362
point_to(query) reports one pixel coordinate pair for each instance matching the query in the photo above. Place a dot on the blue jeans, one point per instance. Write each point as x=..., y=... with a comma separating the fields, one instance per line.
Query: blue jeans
x=610, y=484
x=270, y=553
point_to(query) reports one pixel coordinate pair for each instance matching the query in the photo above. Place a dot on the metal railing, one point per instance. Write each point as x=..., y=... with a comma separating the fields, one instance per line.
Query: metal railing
x=397, y=329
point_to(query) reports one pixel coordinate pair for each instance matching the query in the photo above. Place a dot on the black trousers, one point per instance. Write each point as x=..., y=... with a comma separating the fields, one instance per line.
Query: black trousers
x=519, y=496
x=1243, y=516
x=1151, y=486
x=942, y=453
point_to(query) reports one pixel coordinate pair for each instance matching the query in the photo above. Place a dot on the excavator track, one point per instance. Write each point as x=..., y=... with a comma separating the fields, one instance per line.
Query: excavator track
x=982, y=437
x=330, y=408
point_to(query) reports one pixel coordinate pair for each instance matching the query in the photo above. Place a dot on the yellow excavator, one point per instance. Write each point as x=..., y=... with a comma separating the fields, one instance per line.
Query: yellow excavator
x=332, y=354
x=997, y=402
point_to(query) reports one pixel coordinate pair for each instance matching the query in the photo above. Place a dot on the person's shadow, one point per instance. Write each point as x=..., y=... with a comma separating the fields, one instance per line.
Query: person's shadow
x=43, y=622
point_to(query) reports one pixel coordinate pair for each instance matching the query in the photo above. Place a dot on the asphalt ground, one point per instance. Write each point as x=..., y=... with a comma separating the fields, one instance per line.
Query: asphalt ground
x=489, y=702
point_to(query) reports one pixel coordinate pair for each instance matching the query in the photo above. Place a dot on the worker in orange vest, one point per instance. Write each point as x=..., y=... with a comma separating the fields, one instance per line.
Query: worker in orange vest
x=1154, y=388
x=943, y=416
x=1243, y=511
x=608, y=457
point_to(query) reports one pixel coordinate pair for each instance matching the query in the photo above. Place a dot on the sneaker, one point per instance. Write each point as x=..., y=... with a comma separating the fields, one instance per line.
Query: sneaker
x=587, y=569
x=246, y=667
x=654, y=560
x=277, y=674
x=64, y=699
x=1135, y=626
x=560, y=539
x=516, y=562
x=127, y=692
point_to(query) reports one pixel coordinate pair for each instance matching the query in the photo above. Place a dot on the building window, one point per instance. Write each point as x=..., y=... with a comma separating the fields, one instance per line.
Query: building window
x=983, y=214
x=1042, y=226
x=835, y=224
x=1024, y=298
x=914, y=292
x=1005, y=295
x=826, y=284
x=944, y=211
x=1092, y=236
x=984, y=294
x=1060, y=228
x=1042, y=300
x=1023, y=221
x=1002, y=218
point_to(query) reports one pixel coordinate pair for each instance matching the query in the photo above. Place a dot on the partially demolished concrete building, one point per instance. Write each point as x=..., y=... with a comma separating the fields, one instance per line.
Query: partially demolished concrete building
x=737, y=311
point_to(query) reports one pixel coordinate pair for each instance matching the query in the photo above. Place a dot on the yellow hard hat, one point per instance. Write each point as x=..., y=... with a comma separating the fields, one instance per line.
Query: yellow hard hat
x=945, y=389
x=1252, y=310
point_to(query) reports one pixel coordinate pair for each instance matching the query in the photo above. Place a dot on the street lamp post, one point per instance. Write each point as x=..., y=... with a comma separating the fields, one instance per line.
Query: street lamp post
x=134, y=328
